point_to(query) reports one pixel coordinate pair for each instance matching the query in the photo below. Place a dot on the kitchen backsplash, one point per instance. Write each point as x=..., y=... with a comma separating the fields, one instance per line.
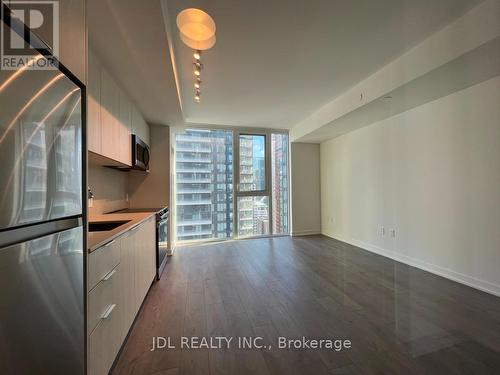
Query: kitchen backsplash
x=110, y=188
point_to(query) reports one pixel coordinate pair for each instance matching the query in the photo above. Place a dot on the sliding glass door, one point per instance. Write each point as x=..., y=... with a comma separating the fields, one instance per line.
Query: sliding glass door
x=209, y=206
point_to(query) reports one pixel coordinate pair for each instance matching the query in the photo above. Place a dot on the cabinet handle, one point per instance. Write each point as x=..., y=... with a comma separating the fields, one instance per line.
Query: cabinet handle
x=109, y=243
x=134, y=228
x=108, y=312
x=109, y=275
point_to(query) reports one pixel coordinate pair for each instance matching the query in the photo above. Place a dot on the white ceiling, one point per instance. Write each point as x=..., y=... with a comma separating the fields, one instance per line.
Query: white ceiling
x=129, y=36
x=275, y=61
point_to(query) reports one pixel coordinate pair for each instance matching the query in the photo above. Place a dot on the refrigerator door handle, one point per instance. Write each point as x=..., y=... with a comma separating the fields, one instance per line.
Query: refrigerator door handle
x=22, y=234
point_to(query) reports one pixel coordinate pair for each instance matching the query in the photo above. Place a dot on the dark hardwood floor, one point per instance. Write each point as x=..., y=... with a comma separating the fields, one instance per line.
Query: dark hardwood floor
x=400, y=320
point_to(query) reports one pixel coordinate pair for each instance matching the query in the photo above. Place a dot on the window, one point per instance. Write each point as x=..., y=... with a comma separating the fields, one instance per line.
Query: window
x=252, y=162
x=279, y=181
x=253, y=216
x=204, y=184
x=209, y=204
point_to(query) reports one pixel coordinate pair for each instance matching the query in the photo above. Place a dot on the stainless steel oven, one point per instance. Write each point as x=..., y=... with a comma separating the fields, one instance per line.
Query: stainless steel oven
x=162, y=238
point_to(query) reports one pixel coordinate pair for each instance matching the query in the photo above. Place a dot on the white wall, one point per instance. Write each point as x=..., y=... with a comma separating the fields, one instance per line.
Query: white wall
x=433, y=175
x=305, y=183
x=479, y=27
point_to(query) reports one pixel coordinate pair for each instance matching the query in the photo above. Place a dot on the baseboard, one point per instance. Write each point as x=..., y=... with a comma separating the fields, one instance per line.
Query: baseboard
x=308, y=232
x=473, y=282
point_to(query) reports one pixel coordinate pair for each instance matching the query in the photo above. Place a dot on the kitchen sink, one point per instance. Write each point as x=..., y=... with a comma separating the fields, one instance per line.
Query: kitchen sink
x=101, y=226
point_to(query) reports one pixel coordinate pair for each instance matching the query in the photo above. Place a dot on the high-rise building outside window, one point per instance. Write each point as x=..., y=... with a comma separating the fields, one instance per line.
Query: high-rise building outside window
x=204, y=184
x=279, y=182
x=208, y=204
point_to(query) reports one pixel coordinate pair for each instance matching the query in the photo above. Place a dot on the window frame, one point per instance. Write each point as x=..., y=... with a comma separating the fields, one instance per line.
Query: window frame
x=237, y=131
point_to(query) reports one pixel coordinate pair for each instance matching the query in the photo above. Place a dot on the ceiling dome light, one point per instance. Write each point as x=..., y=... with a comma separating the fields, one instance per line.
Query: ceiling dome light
x=198, y=45
x=197, y=31
x=195, y=24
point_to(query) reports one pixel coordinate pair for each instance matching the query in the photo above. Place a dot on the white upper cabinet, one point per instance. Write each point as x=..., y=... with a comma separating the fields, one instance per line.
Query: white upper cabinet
x=110, y=124
x=94, y=104
x=73, y=36
x=112, y=117
x=139, y=125
x=125, y=121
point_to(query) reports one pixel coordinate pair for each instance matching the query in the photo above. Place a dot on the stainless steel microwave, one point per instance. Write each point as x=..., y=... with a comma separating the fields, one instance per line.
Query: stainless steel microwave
x=140, y=154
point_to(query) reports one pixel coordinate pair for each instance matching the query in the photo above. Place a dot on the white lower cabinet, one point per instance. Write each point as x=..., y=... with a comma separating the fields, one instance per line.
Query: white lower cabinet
x=102, y=261
x=105, y=340
x=145, y=270
x=115, y=299
x=128, y=281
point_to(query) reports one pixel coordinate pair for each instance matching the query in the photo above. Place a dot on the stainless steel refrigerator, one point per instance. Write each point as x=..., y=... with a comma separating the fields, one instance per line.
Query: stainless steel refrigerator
x=41, y=215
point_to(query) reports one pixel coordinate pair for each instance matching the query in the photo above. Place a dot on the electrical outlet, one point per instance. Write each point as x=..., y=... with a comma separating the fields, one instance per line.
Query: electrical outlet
x=331, y=220
x=382, y=231
x=393, y=233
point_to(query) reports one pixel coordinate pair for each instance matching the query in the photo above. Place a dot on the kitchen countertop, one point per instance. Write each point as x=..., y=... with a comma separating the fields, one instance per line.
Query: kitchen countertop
x=97, y=239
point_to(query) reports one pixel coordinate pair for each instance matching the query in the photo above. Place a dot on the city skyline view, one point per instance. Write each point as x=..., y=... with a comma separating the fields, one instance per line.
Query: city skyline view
x=205, y=190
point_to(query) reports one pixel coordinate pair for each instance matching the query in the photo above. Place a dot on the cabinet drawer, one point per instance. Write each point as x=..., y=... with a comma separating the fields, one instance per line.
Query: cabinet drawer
x=104, y=343
x=102, y=261
x=102, y=298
